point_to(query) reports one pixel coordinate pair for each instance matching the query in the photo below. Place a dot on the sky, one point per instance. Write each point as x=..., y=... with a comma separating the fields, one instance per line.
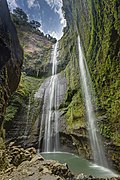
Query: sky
x=47, y=12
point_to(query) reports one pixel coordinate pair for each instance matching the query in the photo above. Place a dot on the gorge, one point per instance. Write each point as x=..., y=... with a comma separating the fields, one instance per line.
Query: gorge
x=62, y=85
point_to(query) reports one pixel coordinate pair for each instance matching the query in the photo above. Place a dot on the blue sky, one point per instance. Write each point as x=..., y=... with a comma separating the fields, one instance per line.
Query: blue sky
x=47, y=12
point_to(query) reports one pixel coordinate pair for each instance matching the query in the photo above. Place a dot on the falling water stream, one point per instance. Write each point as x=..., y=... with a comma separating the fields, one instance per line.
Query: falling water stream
x=78, y=164
x=95, y=140
x=27, y=123
x=48, y=141
x=50, y=112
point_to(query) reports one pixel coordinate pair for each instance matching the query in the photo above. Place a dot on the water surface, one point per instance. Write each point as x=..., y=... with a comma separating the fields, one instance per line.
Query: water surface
x=78, y=164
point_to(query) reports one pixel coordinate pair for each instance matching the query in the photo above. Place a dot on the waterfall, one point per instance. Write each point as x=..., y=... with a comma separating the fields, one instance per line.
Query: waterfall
x=95, y=140
x=27, y=123
x=50, y=113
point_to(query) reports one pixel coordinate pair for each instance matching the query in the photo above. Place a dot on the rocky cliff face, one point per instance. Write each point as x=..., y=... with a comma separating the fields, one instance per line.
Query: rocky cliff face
x=97, y=23
x=23, y=110
x=98, y=26
x=37, y=51
x=10, y=59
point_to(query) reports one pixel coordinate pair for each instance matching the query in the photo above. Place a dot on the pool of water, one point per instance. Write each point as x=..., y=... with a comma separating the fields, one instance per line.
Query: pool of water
x=79, y=165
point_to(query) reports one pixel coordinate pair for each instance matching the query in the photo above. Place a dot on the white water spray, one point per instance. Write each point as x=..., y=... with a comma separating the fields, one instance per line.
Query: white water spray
x=27, y=123
x=95, y=140
x=50, y=114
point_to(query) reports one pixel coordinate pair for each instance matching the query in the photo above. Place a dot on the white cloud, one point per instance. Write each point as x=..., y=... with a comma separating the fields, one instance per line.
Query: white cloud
x=62, y=19
x=33, y=3
x=38, y=5
x=12, y=4
x=50, y=3
x=54, y=3
x=30, y=3
x=57, y=6
x=55, y=34
x=41, y=28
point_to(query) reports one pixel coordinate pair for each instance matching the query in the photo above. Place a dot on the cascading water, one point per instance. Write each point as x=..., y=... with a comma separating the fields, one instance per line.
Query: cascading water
x=50, y=114
x=95, y=140
x=52, y=93
x=27, y=123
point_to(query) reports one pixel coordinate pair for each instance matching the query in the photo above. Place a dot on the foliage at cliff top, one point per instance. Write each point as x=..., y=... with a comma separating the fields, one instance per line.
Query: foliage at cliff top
x=37, y=46
x=21, y=18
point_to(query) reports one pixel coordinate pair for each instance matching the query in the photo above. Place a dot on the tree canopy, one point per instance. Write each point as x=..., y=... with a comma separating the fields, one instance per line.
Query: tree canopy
x=35, y=24
x=20, y=14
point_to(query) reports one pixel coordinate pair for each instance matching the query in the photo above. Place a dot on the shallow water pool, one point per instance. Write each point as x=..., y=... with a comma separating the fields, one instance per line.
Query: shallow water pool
x=79, y=165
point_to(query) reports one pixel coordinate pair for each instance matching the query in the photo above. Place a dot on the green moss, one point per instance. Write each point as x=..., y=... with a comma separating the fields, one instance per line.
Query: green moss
x=27, y=86
x=99, y=28
x=73, y=106
x=10, y=112
x=75, y=113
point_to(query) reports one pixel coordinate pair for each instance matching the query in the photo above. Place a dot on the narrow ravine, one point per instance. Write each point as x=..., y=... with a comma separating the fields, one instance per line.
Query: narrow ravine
x=59, y=90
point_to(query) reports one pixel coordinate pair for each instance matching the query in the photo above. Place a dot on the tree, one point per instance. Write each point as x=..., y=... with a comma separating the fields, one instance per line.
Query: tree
x=20, y=14
x=53, y=40
x=35, y=24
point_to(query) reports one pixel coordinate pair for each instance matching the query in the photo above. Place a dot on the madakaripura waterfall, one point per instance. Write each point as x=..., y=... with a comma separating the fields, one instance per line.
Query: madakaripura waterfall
x=49, y=121
x=95, y=139
x=59, y=90
x=49, y=117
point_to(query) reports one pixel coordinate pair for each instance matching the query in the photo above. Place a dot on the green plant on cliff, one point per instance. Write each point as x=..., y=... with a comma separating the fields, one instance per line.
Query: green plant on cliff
x=20, y=14
x=28, y=85
x=106, y=66
x=98, y=25
x=75, y=113
x=73, y=106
